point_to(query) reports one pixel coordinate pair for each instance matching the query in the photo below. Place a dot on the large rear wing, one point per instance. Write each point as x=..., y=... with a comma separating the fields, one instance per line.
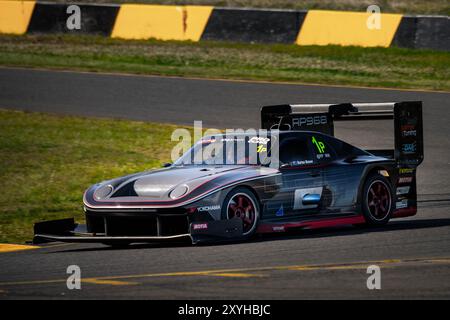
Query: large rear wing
x=407, y=116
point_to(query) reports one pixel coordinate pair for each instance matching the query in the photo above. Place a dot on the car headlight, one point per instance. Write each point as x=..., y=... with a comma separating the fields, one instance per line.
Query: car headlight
x=179, y=191
x=103, y=192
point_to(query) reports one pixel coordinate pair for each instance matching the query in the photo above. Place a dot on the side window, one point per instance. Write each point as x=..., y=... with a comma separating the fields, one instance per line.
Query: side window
x=343, y=149
x=295, y=151
x=322, y=149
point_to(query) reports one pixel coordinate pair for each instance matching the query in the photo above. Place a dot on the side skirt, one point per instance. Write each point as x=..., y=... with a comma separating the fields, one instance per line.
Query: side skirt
x=271, y=227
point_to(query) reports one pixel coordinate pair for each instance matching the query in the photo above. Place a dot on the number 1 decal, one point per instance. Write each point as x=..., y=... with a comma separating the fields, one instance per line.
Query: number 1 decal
x=319, y=145
x=261, y=148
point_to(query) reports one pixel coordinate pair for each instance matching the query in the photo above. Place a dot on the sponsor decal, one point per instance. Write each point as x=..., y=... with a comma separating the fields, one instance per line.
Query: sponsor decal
x=409, y=147
x=402, y=190
x=309, y=121
x=259, y=140
x=405, y=179
x=401, y=204
x=207, y=141
x=384, y=173
x=261, y=148
x=301, y=162
x=200, y=226
x=409, y=133
x=280, y=212
x=407, y=127
x=278, y=228
x=232, y=140
x=405, y=170
x=208, y=208
x=300, y=193
x=323, y=155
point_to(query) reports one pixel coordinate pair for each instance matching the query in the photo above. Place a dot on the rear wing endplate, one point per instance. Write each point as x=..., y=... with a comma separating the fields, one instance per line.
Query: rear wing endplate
x=407, y=116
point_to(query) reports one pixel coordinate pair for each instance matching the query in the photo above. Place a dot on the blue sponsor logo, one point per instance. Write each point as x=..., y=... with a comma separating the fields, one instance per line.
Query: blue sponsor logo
x=280, y=212
x=409, y=147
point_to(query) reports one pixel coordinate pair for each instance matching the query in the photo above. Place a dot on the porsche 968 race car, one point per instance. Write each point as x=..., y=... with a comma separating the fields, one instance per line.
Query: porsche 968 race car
x=318, y=181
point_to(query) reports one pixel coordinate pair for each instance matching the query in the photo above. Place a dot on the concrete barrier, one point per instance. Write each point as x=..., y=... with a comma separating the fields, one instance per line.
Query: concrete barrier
x=347, y=29
x=15, y=16
x=52, y=18
x=161, y=22
x=423, y=32
x=196, y=23
x=250, y=25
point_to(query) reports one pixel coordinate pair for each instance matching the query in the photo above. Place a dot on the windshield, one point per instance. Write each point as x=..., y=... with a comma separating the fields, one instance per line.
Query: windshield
x=224, y=150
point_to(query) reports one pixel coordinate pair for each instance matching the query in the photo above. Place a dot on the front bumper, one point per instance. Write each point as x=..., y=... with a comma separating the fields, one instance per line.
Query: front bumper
x=66, y=230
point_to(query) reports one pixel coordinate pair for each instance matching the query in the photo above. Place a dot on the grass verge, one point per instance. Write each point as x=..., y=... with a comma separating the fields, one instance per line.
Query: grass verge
x=48, y=161
x=377, y=67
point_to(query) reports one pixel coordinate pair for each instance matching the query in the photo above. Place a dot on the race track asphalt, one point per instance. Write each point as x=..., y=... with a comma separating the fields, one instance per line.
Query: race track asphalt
x=413, y=253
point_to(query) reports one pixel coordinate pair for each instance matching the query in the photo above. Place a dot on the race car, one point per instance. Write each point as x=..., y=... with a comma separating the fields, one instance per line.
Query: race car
x=292, y=175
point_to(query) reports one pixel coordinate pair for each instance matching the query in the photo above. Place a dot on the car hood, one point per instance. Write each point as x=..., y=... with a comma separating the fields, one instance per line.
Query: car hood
x=170, y=183
x=157, y=184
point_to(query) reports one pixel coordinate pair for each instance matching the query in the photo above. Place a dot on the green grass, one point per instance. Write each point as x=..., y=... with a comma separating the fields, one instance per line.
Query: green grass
x=380, y=67
x=399, y=6
x=48, y=161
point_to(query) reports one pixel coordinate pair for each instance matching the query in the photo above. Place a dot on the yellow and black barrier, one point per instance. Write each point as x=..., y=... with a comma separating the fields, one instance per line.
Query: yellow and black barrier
x=347, y=29
x=15, y=16
x=52, y=18
x=196, y=23
x=136, y=21
x=254, y=25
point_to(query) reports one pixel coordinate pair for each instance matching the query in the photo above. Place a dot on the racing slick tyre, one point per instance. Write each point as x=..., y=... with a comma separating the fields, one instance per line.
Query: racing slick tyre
x=241, y=203
x=377, y=200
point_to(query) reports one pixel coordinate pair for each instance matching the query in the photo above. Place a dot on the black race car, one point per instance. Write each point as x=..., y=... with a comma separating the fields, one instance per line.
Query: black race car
x=296, y=175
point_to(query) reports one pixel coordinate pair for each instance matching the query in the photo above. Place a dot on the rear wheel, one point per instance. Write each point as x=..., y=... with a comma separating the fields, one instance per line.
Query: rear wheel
x=241, y=203
x=377, y=200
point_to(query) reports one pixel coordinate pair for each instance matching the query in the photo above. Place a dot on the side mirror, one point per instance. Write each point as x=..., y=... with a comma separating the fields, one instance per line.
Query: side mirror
x=312, y=198
x=166, y=165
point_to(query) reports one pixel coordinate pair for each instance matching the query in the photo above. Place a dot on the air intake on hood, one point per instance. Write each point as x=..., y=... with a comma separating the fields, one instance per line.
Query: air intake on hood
x=126, y=191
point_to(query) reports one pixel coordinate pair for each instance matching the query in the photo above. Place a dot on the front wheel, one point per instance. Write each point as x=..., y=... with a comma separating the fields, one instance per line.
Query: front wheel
x=241, y=203
x=377, y=200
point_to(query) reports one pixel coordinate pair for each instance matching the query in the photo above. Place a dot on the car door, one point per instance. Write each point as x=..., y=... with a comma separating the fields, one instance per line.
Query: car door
x=301, y=175
x=341, y=177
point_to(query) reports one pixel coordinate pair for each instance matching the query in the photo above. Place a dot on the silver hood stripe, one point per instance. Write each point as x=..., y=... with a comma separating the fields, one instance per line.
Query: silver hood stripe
x=189, y=201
